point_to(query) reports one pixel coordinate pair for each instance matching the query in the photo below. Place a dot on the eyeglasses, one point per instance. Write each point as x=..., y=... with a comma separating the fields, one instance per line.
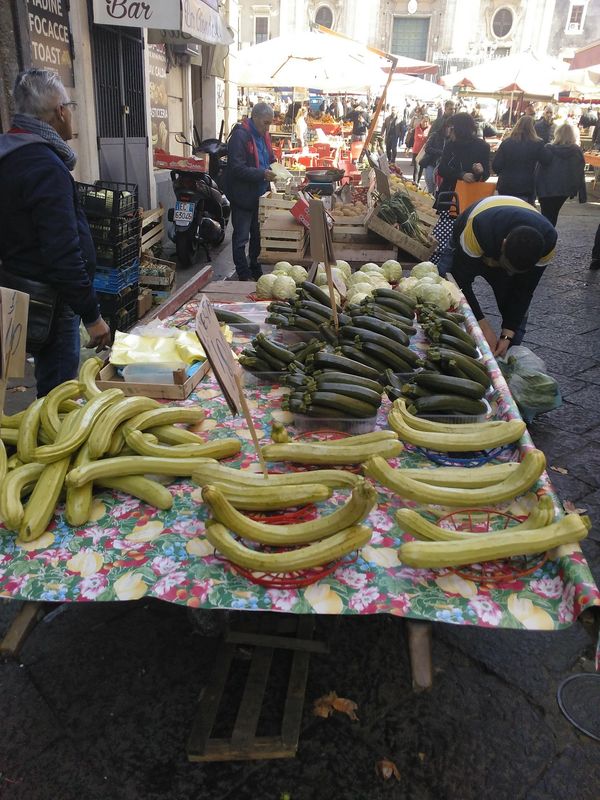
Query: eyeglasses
x=71, y=103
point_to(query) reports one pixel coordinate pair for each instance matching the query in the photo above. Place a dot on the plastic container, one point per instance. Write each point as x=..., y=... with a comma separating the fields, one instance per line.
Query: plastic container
x=349, y=425
x=152, y=373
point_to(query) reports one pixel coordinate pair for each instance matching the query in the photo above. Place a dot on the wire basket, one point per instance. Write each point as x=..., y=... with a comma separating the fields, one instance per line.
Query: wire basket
x=490, y=520
x=292, y=580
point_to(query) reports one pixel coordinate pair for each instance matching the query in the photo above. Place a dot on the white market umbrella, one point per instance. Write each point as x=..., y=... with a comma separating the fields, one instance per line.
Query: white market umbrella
x=311, y=60
x=523, y=73
x=415, y=88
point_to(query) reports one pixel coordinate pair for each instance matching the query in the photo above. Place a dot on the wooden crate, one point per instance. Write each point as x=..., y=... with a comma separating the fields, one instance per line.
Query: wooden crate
x=415, y=248
x=363, y=252
x=350, y=229
x=282, y=238
x=273, y=201
x=153, y=228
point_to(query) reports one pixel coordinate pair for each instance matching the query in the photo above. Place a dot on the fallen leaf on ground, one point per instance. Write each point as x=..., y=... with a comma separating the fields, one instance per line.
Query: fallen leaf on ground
x=385, y=769
x=17, y=389
x=572, y=508
x=560, y=470
x=421, y=757
x=326, y=705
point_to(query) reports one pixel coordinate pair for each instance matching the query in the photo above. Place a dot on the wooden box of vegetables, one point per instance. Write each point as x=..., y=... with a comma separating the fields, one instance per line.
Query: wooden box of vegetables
x=398, y=221
x=349, y=221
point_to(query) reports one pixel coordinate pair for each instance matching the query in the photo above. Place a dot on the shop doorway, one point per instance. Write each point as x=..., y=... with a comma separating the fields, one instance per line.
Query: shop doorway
x=118, y=63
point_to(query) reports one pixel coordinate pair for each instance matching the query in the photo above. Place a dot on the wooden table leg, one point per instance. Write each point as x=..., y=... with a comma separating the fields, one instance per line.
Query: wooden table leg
x=15, y=636
x=419, y=649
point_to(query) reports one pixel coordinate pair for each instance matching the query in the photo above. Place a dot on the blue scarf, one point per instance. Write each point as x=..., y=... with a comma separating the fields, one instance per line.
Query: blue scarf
x=47, y=132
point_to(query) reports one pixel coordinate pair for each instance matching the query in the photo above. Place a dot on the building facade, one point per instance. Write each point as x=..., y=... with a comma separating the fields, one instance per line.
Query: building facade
x=452, y=33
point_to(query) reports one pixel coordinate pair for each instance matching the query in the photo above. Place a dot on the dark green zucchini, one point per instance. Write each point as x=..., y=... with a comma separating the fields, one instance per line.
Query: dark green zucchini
x=446, y=384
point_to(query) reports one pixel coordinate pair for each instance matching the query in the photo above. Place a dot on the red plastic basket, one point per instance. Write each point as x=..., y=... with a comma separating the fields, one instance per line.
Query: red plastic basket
x=490, y=520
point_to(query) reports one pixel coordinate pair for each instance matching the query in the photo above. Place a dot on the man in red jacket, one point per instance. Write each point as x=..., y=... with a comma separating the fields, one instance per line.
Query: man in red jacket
x=249, y=159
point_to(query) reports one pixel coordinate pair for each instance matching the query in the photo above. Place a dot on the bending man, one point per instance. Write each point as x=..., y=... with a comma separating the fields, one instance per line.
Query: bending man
x=508, y=243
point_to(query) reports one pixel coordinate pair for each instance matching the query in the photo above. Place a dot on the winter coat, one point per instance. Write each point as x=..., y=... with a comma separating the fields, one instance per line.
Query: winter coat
x=44, y=235
x=245, y=179
x=459, y=157
x=545, y=130
x=434, y=147
x=515, y=162
x=563, y=175
x=420, y=139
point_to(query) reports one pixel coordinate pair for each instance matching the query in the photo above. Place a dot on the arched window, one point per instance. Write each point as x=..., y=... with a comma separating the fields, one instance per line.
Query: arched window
x=502, y=22
x=324, y=17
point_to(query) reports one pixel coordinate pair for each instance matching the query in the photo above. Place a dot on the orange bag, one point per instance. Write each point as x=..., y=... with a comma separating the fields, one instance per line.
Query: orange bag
x=469, y=193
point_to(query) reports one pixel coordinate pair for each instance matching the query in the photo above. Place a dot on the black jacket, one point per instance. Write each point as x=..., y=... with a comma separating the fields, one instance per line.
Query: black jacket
x=562, y=175
x=459, y=157
x=434, y=147
x=245, y=178
x=515, y=162
x=545, y=130
x=44, y=233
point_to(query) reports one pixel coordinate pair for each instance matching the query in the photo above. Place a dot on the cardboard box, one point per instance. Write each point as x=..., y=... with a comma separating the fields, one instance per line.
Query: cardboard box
x=144, y=301
x=108, y=379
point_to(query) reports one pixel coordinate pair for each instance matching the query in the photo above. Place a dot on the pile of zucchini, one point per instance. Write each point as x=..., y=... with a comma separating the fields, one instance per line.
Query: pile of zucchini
x=234, y=320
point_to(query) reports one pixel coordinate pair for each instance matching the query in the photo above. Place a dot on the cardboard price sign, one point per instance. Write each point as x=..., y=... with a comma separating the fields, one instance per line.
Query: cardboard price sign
x=218, y=352
x=225, y=367
x=383, y=184
x=14, y=311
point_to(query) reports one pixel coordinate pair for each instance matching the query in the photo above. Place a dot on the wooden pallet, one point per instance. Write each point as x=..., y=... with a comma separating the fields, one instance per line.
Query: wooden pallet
x=153, y=228
x=270, y=633
x=273, y=201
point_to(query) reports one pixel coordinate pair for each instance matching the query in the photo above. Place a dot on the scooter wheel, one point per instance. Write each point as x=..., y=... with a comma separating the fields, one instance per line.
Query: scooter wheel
x=186, y=247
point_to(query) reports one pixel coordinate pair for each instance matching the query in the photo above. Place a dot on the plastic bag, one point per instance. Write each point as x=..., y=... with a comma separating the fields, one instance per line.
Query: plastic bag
x=533, y=390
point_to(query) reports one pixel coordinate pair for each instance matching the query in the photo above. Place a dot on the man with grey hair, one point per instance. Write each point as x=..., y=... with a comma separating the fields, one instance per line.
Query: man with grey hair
x=45, y=237
x=249, y=159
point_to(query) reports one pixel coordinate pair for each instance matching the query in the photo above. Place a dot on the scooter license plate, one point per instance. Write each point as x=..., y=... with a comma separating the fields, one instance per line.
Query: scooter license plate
x=184, y=212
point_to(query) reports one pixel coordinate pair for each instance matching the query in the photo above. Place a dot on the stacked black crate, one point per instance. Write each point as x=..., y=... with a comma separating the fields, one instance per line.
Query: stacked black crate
x=116, y=225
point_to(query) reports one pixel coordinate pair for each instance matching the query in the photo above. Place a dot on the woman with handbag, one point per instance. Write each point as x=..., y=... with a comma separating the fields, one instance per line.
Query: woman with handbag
x=420, y=137
x=432, y=154
x=466, y=157
x=46, y=246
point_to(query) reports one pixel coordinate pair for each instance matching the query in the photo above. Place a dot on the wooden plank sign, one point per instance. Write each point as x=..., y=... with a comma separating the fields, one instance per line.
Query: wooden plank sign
x=225, y=368
x=383, y=184
x=321, y=249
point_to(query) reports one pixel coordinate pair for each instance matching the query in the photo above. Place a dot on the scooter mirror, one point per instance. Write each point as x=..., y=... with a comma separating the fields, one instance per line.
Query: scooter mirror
x=180, y=138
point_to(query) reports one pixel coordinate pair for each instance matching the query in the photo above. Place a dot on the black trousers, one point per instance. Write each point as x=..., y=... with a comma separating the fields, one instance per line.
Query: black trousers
x=596, y=247
x=550, y=207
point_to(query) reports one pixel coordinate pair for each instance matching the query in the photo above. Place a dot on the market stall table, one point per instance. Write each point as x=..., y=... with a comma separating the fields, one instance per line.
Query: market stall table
x=592, y=157
x=130, y=550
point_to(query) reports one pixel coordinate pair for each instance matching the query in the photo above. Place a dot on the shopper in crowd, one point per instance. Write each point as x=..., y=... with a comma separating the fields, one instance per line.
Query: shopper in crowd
x=389, y=133
x=562, y=175
x=301, y=126
x=449, y=110
x=44, y=236
x=507, y=243
x=545, y=126
x=588, y=119
x=434, y=147
x=466, y=156
x=517, y=158
x=420, y=137
x=249, y=160
x=360, y=123
x=573, y=123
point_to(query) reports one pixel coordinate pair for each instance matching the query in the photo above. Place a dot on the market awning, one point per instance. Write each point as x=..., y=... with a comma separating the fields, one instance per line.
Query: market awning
x=194, y=19
x=413, y=66
x=588, y=56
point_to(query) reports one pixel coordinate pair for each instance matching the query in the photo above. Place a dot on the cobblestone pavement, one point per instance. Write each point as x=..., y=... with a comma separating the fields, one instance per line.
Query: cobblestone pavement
x=101, y=703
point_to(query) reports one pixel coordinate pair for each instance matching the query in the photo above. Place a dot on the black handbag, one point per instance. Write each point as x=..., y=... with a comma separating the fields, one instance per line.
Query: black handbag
x=44, y=306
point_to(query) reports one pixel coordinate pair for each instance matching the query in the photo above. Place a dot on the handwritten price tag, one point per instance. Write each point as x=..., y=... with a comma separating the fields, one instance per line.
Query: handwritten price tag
x=14, y=310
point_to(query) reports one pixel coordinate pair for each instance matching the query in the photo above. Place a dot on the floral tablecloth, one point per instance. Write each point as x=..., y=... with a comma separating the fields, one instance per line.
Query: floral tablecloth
x=129, y=550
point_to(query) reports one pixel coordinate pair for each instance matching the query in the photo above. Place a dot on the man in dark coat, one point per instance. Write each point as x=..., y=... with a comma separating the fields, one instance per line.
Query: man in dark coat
x=44, y=234
x=249, y=158
x=389, y=132
x=545, y=126
x=508, y=243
